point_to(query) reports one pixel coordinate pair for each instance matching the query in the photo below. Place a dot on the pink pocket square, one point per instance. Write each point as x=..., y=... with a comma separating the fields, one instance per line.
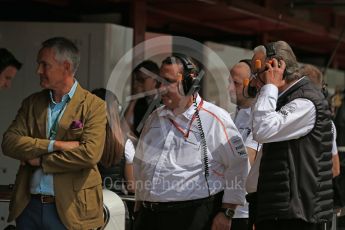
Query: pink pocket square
x=76, y=124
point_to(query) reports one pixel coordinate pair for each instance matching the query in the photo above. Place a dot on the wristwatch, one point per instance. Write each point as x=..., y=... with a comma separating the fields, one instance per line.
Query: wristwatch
x=228, y=212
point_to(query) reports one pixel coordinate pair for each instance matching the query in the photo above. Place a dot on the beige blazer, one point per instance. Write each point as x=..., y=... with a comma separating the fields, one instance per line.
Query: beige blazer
x=77, y=182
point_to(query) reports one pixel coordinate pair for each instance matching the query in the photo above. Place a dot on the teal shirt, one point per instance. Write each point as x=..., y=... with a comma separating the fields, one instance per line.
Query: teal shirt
x=41, y=182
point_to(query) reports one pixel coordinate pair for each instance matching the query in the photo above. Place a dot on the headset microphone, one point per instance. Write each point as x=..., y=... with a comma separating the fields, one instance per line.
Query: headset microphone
x=245, y=82
x=257, y=64
x=251, y=91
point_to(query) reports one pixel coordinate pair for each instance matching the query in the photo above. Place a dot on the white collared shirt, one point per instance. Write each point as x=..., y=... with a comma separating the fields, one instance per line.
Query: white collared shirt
x=169, y=167
x=243, y=123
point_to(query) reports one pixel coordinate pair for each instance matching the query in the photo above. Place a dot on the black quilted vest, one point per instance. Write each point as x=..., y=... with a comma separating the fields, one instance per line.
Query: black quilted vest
x=295, y=179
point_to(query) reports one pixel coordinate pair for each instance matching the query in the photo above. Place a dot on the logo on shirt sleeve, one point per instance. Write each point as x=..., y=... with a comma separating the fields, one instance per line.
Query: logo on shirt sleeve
x=237, y=142
x=286, y=109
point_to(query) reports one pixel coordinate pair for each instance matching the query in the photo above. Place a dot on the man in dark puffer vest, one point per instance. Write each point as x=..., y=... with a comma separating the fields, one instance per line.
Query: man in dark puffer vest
x=292, y=120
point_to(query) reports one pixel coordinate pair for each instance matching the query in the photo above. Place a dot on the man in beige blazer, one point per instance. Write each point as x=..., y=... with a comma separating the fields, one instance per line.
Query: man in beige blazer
x=58, y=135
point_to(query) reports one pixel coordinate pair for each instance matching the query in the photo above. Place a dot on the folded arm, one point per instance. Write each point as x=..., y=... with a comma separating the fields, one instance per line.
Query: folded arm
x=17, y=143
x=74, y=157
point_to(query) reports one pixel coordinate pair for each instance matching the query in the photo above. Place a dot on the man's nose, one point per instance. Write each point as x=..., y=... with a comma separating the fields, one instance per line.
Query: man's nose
x=39, y=69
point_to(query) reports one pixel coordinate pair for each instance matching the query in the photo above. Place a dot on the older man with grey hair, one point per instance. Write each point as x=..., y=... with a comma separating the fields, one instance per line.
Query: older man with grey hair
x=58, y=136
x=292, y=120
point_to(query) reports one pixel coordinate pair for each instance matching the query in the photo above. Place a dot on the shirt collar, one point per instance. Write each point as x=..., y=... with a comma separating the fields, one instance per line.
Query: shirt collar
x=290, y=86
x=187, y=114
x=67, y=96
x=191, y=110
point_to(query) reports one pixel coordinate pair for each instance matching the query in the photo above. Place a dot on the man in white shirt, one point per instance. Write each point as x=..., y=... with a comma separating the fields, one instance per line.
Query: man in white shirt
x=292, y=121
x=190, y=163
x=240, y=73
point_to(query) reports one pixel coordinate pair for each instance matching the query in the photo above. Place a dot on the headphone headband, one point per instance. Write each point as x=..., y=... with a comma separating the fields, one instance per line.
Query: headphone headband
x=270, y=50
x=190, y=82
x=247, y=61
x=187, y=64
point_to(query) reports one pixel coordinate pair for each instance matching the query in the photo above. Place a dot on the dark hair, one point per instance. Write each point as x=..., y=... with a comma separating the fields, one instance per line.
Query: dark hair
x=247, y=62
x=149, y=65
x=175, y=58
x=65, y=50
x=8, y=59
x=114, y=142
x=172, y=60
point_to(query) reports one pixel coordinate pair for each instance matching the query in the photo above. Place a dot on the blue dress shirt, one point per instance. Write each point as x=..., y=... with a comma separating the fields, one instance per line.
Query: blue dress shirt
x=42, y=183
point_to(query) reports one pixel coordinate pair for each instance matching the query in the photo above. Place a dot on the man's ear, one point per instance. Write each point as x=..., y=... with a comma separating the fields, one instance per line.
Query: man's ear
x=67, y=66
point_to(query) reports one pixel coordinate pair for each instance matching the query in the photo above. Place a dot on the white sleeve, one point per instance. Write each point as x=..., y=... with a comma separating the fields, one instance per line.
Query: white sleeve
x=292, y=121
x=235, y=157
x=251, y=143
x=334, y=142
x=129, y=151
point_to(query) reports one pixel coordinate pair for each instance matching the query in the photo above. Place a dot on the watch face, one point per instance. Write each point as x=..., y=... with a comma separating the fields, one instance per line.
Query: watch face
x=229, y=212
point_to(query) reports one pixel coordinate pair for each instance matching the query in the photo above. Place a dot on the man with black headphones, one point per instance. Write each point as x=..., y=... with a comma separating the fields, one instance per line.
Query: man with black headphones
x=240, y=75
x=190, y=163
x=292, y=120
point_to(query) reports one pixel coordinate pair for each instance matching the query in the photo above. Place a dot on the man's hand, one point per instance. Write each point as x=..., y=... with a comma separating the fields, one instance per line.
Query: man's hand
x=65, y=145
x=221, y=222
x=34, y=162
x=274, y=73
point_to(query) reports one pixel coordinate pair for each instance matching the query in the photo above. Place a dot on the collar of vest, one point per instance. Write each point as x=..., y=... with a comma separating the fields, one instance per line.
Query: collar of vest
x=294, y=88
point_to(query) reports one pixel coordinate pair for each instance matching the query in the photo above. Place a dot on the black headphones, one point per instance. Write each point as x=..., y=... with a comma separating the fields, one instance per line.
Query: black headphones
x=248, y=62
x=251, y=90
x=271, y=52
x=190, y=80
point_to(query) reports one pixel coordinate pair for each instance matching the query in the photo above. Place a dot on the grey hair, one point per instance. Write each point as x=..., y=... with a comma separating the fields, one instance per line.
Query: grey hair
x=284, y=52
x=65, y=49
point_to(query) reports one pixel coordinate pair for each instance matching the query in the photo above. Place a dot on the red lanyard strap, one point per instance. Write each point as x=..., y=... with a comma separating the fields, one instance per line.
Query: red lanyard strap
x=180, y=129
